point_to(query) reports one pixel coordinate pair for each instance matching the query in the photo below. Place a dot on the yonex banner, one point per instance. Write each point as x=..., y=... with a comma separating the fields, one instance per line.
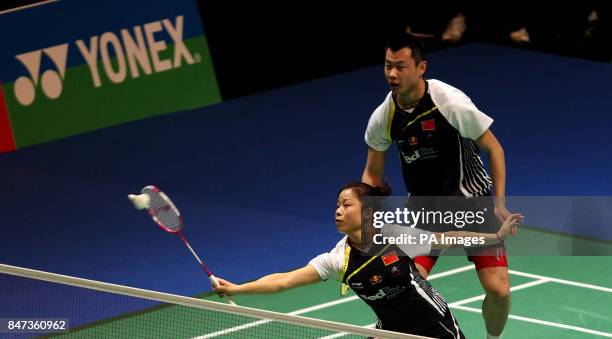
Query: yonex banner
x=71, y=66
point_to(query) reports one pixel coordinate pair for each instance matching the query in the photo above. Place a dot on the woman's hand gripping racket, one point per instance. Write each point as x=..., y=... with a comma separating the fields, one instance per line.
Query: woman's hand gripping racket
x=166, y=215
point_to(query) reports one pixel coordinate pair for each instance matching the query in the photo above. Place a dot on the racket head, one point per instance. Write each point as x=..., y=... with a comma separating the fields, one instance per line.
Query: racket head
x=162, y=210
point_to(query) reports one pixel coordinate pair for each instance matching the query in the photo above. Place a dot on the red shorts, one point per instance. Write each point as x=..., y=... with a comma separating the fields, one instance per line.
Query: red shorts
x=483, y=257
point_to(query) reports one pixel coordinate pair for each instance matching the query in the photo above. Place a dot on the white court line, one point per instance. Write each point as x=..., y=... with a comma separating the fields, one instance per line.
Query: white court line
x=562, y=281
x=233, y=329
x=512, y=289
x=540, y=280
x=337, y=335
x=27, y=6
x=342, y=334
x=261, y=322
x=321, y=306
x=542, y=322
x=450, y=272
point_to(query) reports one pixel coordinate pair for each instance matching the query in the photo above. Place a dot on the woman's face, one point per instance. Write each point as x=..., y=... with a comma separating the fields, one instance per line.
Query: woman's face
x=348, y=212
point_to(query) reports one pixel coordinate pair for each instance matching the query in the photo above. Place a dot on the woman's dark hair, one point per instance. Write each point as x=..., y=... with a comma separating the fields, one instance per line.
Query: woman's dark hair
x=364, y=190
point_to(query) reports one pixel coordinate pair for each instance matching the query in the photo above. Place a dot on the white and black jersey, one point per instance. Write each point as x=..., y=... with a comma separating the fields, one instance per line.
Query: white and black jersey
x=435, y=141
x=387, y=280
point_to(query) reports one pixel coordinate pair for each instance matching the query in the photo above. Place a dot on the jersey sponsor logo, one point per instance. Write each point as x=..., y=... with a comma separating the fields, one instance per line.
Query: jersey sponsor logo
x=356, y=285
x=428, y=125
x=428, y=153
x=396, y=272
x=381, y=294
x=411, y=158
x=422, y=153
x=385, y=292
x=376, y=279
x=390, y=258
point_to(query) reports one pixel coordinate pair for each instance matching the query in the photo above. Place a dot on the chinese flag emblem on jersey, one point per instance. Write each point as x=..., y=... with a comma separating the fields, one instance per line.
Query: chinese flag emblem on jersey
x=428, y=125
x=390, y=258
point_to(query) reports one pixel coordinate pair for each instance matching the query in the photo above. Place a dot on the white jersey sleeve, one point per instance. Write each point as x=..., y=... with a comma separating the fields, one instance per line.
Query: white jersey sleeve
x=376, y=135
x=420, y=245
x=459, y=110
x=329, y=264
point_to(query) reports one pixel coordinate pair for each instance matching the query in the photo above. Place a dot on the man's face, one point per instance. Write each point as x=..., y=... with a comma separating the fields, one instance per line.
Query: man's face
x=401, y=71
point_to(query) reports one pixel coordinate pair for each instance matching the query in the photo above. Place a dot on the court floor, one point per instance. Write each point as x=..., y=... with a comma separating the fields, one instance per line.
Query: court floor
x=552, y=297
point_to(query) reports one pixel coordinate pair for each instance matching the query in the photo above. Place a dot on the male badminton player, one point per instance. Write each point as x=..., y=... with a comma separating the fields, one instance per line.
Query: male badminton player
x=439, y=133
x=385, y=278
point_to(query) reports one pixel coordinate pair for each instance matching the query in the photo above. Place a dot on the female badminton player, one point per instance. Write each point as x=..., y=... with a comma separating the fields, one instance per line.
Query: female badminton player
x=383, y=276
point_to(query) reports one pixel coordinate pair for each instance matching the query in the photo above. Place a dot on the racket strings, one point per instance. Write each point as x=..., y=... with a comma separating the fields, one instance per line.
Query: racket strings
x=162, y=210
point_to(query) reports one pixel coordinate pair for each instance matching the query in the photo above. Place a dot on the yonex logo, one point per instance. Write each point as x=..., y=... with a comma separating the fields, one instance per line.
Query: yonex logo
x=132, y=53
x=50, y=81
x=136, y=49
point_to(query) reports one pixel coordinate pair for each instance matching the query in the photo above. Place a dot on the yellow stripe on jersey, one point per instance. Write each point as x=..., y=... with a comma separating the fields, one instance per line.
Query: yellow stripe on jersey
x=347, y=255
x=419, y=117
x=390, y=119
x=347, y=251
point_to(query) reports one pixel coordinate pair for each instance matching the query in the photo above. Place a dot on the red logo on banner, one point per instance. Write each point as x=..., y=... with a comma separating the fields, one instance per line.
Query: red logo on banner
x=7, y=140
x=428, y=125
x=390, y=258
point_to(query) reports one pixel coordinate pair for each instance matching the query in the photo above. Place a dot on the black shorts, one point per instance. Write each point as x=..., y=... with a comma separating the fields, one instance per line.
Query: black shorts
x=446, y=327
x=482, y=256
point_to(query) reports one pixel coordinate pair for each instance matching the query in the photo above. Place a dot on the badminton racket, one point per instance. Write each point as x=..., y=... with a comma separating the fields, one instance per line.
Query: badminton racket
x=165, y=214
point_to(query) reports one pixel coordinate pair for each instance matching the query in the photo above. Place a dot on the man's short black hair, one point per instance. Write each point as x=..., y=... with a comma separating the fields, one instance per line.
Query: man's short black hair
x=400, y=40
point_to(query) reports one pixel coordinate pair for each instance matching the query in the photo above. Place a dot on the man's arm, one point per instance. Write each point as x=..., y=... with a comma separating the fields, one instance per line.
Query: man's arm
x=497, y=164
x=375, y=168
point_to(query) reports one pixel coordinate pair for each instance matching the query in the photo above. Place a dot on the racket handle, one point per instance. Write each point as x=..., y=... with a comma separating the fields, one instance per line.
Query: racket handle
x=215, y=283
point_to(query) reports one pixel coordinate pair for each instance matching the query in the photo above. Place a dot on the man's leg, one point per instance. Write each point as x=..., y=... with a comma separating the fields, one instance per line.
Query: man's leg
x=493, y=274
x=425, y=264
